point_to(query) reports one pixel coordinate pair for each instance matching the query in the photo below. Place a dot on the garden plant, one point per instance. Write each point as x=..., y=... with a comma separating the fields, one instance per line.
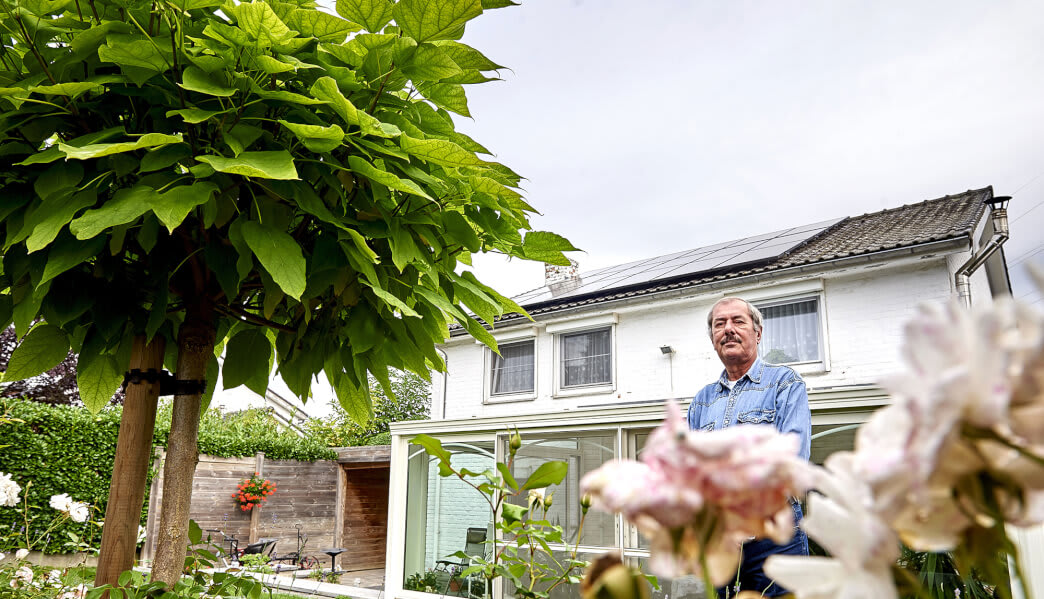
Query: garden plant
x=264, y=180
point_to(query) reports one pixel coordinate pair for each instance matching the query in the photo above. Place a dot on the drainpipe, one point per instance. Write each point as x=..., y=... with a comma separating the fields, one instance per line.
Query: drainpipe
x=999, y=215
x=445, y=376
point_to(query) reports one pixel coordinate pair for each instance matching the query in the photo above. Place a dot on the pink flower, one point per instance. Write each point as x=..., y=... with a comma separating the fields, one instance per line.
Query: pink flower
x=703, y=493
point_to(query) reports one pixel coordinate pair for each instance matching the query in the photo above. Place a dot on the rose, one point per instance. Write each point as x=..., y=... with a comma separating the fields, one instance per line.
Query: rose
x=9, y=490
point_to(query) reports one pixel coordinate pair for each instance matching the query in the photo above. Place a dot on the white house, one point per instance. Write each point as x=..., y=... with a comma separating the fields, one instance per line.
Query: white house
x=587, y=378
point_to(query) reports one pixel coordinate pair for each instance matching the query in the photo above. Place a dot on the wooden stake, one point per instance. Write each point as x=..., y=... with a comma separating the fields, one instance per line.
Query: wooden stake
x=130, y=469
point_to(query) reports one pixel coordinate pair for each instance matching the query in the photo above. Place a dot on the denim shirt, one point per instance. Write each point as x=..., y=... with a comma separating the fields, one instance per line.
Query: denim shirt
x=766, y=394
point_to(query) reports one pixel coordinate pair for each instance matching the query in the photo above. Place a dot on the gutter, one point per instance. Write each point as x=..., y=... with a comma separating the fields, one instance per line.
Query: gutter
x=962, y=278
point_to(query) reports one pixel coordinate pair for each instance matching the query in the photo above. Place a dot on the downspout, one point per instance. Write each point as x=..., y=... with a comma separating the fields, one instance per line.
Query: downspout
x=962, y=278
x=445, y=376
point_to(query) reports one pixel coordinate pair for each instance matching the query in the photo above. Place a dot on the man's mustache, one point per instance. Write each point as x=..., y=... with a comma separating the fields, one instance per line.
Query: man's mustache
x=729, y=338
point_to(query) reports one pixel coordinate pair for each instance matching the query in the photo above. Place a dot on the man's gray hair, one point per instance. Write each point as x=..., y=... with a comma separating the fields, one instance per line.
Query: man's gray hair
x=755, y=314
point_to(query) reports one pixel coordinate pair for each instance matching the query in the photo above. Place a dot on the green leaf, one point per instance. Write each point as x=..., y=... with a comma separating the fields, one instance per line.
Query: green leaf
x=140, y=59
x=43, y=348
x=279, y=254
x=321, y=25
x=448, y=96
x=197, y=80
x=248, y=360
x=149, y=140
x=52, y=218
x=373, y=15
x=513, y=513
x=325, y=89
x=354, y=399
x=430, y=63
x=425, y=20
x=265, y=165
x=439, y=151
x=466, y=57
x=491, y=4
x=385, y=178
x=434, y=448
x=67, y=253
x=549, y=473
x=272, y=66
x=547, y=247
x=505, y=472
x=163, y=157
x=260, y=23
x=173, y=206
x=71, y=89
x=195, y=115
x=125, y=206
x=315, y=137
x=391, y=300
x=98, y=377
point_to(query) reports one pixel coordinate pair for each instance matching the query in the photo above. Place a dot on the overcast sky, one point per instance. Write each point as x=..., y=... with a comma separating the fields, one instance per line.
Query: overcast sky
x=645, y=128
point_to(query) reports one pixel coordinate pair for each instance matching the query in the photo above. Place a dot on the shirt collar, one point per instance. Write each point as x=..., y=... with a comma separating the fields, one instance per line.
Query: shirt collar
x=753, y=373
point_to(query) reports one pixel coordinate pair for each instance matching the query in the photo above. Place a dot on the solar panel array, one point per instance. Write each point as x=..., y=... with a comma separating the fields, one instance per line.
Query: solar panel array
x=721, y=256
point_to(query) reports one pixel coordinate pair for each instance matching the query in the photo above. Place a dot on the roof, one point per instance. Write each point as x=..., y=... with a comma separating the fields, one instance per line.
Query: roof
x=940, y=219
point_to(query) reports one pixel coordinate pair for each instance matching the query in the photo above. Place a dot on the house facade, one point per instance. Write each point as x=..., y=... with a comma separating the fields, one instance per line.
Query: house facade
x=587, y=378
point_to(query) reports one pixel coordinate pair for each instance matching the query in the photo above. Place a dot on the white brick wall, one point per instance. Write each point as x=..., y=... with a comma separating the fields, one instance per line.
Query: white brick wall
x=453, y=507
x=865, y=310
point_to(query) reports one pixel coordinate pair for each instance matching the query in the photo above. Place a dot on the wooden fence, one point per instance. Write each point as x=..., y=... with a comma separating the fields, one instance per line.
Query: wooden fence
x=341, y=503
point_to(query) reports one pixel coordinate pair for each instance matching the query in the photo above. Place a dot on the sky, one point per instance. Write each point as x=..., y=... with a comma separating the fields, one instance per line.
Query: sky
x=645, y=128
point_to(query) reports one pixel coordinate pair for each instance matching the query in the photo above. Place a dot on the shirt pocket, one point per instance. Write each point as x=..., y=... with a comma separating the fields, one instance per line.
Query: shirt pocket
x=708, y=401
x=757, y=417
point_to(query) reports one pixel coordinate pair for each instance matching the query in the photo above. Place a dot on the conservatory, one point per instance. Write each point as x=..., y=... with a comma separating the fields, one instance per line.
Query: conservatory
x=432, y=517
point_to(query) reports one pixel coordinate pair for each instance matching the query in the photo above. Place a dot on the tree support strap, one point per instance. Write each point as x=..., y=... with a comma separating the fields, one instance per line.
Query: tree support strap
x=168, y=384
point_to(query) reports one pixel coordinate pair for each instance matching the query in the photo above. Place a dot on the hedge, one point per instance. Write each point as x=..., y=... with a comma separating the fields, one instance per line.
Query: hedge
x=66, y=449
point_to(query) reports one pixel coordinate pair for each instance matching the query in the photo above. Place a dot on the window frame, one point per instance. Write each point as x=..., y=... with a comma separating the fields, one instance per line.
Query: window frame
x=820, y=365
x=490, y=362
x=559, y=361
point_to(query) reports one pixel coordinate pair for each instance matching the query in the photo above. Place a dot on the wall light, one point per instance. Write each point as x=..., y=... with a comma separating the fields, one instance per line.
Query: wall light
x=666, y=350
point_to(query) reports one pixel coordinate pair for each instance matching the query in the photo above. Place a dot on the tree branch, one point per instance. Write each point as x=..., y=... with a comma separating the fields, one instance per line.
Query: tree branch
x=254, y=318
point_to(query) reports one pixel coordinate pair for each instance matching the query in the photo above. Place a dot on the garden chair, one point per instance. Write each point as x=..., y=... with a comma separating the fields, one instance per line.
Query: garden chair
x=261, y=547
x=474, y=544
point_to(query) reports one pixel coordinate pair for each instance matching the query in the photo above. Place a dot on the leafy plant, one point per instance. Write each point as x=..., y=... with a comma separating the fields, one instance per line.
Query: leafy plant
x=523, y=555
x=426, y=582
x=410, y=401
x=262, y=179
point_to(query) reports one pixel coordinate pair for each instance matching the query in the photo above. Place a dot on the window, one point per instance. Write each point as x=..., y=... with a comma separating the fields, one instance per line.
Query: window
x=513, y=370
x=792, y=332
x=587, y=358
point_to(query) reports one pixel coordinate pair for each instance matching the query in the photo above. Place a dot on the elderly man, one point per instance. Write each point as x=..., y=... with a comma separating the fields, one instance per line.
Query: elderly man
x=751, y=391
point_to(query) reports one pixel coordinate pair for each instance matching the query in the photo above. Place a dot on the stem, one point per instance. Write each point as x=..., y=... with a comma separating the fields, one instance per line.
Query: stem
x=94, y=10
x=708, y=585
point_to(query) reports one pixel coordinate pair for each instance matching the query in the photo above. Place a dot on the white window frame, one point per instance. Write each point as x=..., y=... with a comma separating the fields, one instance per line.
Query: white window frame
x=808, y=366
x=559, y=331
x=508, y=338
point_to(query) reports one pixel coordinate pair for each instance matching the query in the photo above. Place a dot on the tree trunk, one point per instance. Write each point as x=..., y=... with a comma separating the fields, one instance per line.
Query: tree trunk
x=130, y=470
x=195, y=349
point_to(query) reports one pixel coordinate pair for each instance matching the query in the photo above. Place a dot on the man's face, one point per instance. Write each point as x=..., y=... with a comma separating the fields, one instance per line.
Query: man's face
x=733, y=334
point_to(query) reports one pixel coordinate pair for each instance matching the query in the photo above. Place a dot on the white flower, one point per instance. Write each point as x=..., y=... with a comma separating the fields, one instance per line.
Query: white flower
x=61, y=502
x=24, y=574
x=54, y=578
x=141, y=534
x=78, y=511
x=21, y=554
x=9, y=491
x=843, y=522
x=77, y=592
x=2, y=556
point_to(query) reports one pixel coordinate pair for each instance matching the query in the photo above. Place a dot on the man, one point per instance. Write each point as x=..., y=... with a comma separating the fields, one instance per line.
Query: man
x=751, y=391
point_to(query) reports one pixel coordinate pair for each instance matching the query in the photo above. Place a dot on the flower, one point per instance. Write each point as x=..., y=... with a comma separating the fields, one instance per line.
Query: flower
x=61, y=502
x=23, y=574
x=698, y=495
x=77, y=592
x=21, y=554
x=843, y=521
x=78, y=511
x=2, y=556
x=54, y=578
x=253, y=491
x=9, y=490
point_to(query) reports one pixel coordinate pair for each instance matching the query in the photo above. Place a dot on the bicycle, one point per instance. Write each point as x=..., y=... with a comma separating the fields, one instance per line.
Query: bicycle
x=298, y=559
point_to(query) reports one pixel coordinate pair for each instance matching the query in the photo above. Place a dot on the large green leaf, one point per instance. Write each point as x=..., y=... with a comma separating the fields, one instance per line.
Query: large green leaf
x=434, y=448
x=248, y=360
x=354, y=399
x=197, y=80
x=171, y=207
x=448, y=96
x=43, y=348
x=279, y=254
x=547, y=247
x=260, y=23
x=316, y=137
x=149, y=140
x=54, y=215
x=265, y=165
x=549, y=473
x=430, y=63
x=466, y=57
x=140, y=59
x=439, y=151
x=385, y=178
x=195, y=115
x=391, y=300
x=434, y=19
x=321, y=25
x=67, y=253
x=125, y=206
x=325, y=89
x=98, y=377
x=373, y=15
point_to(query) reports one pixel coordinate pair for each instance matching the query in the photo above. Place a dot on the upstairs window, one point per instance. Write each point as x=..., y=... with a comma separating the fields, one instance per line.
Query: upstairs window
x=587, y=358
x=513, y=371
x=792, y=332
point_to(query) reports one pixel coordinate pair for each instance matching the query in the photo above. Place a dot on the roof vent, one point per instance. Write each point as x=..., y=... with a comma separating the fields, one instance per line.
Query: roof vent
x=562, y=279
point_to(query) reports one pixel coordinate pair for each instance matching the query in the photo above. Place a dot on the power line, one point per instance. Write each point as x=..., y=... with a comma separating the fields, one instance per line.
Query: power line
x=1035, y=206
x=1017, y=260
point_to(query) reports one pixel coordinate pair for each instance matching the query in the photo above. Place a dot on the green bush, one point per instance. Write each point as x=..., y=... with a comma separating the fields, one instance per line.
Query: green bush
x=410, y=402
x=66, y=449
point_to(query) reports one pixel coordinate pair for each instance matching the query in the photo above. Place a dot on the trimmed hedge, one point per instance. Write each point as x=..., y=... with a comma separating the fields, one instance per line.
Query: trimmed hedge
x=66, y=449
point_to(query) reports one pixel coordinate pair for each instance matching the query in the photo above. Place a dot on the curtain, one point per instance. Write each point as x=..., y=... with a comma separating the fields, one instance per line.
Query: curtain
x=791, y=332
x=586, y=358
x=513, y=369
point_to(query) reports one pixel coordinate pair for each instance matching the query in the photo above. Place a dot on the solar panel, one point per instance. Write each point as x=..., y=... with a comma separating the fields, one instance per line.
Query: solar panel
x=726, y=255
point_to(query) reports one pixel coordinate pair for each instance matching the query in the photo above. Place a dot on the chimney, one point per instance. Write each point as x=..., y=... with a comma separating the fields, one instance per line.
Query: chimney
x=562, y=279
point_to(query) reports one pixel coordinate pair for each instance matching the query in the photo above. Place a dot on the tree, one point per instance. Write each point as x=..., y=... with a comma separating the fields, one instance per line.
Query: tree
x=410, y=401
x=186, y=177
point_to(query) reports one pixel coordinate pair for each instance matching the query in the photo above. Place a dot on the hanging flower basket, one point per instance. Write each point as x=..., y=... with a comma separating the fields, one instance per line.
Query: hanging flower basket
x=253, y=491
